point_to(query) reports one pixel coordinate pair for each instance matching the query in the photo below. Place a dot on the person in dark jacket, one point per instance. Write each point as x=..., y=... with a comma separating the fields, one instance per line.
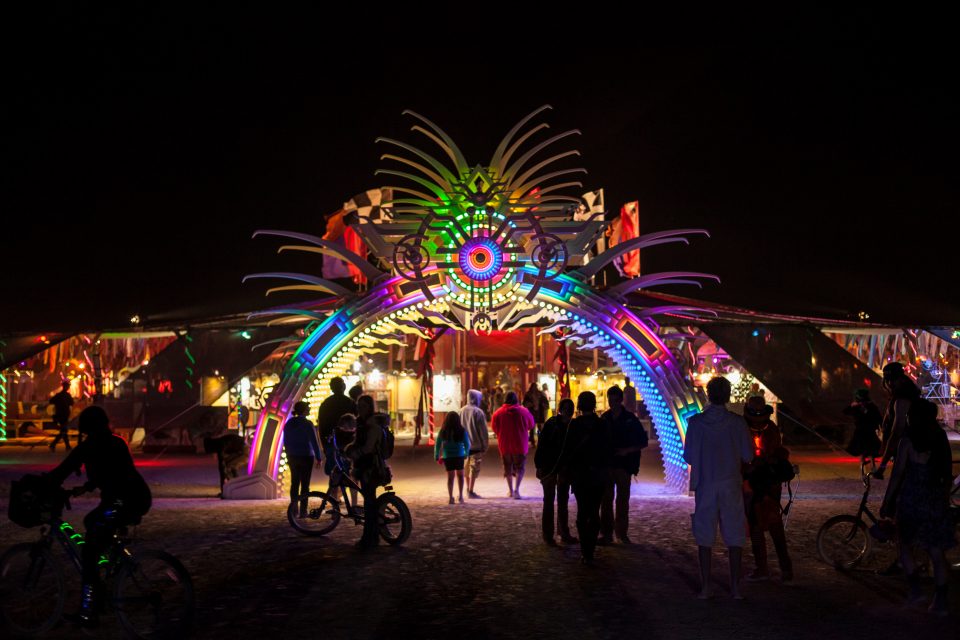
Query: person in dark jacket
x=919, y=497
x=302, y=445
x=866, y=419
x=61, y=403
x=124, y=497
x=535, y=401
x=328, y=417
x=628, y=439
x=364, y=451
x=551, y=460
x=763, y=490
x=590, y=458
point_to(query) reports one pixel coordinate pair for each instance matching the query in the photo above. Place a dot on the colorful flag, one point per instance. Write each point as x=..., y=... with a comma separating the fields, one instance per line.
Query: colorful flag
x=629, y=229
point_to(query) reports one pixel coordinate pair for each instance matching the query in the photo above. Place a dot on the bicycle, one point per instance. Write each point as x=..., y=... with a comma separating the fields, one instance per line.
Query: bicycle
x=323, y=512
x=150, y=591
x=844, y=541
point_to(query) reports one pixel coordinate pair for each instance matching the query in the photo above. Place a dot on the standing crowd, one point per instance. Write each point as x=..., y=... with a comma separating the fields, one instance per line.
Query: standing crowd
x=738, y=468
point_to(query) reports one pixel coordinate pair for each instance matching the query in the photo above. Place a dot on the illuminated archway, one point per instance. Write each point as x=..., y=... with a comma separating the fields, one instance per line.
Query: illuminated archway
x=488, y=247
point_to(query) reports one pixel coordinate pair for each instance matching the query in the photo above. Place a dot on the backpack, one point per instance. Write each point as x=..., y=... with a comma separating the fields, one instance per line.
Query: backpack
x=386, y=436
x=386, y=443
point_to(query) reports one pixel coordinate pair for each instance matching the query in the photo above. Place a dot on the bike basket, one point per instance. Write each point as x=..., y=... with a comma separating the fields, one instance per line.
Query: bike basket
x=32, y=501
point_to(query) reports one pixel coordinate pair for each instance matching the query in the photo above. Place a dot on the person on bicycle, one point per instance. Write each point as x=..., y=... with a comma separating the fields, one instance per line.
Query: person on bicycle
x=124, y=497
x=367, y=461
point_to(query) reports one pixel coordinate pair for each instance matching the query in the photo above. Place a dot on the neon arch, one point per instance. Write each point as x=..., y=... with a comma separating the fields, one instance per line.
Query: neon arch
x=481, y=253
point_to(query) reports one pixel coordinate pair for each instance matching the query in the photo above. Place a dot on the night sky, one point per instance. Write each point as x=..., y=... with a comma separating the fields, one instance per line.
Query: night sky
x=143, y=151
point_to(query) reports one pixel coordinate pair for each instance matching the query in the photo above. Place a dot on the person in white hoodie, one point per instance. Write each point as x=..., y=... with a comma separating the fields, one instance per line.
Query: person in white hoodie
x=717, y=445
x=474, y=420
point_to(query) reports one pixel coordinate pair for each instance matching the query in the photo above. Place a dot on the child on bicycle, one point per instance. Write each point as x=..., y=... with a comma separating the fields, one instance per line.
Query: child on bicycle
x=124, y=498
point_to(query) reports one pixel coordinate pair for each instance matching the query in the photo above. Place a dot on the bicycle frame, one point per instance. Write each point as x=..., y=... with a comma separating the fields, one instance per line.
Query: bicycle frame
x=342, y=480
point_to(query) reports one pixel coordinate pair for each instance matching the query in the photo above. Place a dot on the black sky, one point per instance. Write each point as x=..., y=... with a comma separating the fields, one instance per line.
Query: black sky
x=144, y=149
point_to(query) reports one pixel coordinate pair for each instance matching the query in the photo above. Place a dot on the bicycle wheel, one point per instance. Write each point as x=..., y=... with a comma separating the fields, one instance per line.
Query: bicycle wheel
x=843, y=541
x=32, y=590
x=395, y=521
x=320, y=518
x=153, y=595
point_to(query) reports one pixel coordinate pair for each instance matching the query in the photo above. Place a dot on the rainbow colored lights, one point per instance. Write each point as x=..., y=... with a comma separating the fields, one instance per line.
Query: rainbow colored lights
x=342, y=338
x=480, y=258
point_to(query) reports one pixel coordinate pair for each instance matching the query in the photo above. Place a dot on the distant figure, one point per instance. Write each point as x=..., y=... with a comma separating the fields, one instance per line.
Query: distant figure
x=355, y=391
x=512, y=423
x=302, y=445
x=589, y=469
x=629, y=396
x=628, y=438
x=474, y=420
x=328, y=417
x=765, y=489
x=497, y=400
x=365, y=454
x=865, y=443
x=919, y=496
x=902, y=393
x=717, y=444
x=537, y=404
x=452, y=448
x=124, y=499
x=243, y=416
x=552, y=460
x=61, y=402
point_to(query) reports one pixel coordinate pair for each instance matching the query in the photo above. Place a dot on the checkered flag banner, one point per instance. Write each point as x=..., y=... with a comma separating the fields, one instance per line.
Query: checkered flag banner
x=369, y=204
x=593, y=204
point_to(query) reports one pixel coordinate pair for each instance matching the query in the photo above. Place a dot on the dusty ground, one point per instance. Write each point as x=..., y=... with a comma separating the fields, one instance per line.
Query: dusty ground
x=479, y=570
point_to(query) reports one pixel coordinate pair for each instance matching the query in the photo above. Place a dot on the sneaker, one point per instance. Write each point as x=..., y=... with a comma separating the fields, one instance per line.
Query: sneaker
x=568, y=539
x=474, y=495
x=517, y=496
x=452, y=501
x=549, y=541
x=624, y=539
x=758, y=576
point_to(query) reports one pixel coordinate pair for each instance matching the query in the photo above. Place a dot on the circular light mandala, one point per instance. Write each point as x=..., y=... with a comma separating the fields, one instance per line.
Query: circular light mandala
x=480, y=259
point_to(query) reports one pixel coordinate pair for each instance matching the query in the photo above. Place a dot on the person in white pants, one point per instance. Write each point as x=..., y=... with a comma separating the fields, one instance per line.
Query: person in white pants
x=717, y=444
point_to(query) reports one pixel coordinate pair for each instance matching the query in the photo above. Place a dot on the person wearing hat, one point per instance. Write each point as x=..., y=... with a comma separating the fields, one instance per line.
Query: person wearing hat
x=124, y=498
x=902, y=394
x=763, y=489
x=866, y=418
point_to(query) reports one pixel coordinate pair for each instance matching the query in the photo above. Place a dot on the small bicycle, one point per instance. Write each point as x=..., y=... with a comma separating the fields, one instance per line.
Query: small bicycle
x=150, y=591
x=844, y=541
x=323, y=512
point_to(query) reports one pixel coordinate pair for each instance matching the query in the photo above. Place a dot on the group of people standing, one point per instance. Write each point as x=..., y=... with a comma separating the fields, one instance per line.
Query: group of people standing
x=595, y=457
x=348, y=438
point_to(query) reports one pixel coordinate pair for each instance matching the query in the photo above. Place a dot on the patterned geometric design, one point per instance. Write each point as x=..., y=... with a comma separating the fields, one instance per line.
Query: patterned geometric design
x=481, y=248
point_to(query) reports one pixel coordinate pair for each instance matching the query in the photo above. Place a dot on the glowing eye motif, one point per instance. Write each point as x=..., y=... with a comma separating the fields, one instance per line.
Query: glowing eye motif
x=480, y=258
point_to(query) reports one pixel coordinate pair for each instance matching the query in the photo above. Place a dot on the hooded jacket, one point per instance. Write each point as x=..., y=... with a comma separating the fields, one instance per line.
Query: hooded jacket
x=718, y=443
x=475, y=422
x=512, y=424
